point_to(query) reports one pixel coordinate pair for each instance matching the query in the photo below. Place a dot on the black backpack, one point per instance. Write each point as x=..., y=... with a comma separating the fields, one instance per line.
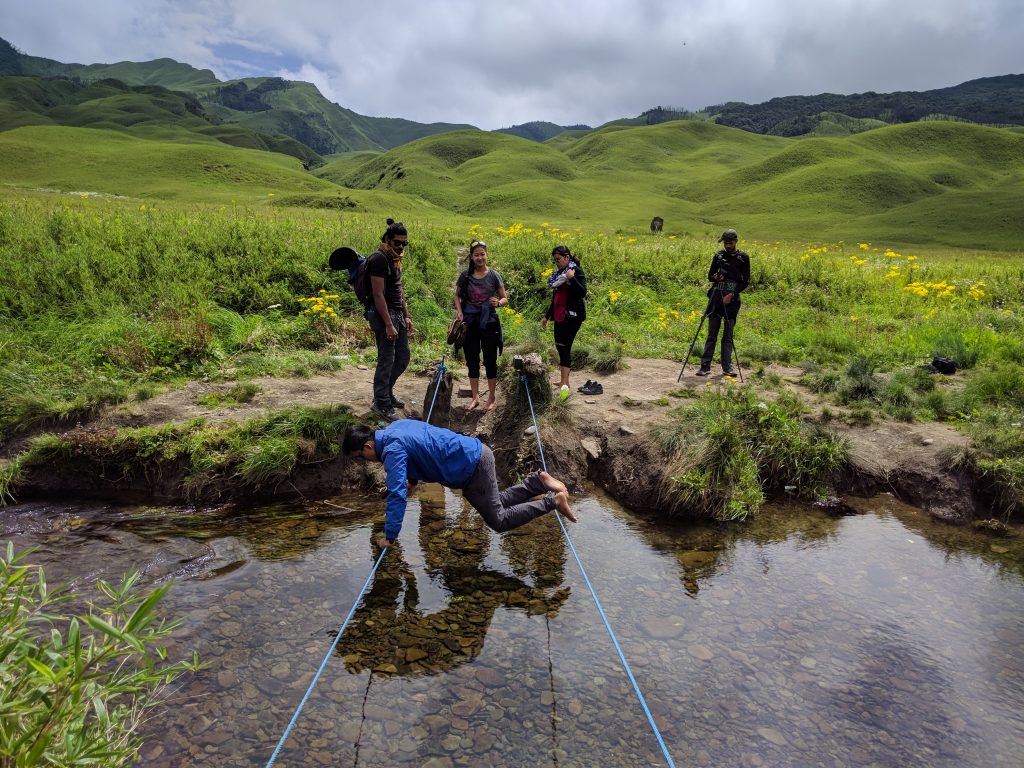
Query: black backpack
x=355, y=263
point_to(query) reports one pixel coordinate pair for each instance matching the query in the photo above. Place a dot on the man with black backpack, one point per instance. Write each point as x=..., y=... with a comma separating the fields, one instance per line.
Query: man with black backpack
x=388, y=315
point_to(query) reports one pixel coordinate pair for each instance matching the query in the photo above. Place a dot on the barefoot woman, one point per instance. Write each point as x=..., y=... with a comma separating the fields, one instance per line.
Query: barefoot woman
x=479, y=293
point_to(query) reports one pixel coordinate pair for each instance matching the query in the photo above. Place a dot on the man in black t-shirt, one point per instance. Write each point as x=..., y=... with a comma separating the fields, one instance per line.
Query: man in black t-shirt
x=389, y=318
x=729, y=274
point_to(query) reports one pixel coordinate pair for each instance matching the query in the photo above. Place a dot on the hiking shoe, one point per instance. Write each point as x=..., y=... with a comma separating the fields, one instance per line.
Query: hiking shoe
x=730, y=373
x=387, y=414
x=704, y=372
x=585, y=386
x=592, y=388
x=396, y=403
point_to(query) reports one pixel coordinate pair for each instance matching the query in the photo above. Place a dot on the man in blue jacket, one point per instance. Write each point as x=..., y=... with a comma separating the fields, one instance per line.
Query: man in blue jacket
x=413, y=451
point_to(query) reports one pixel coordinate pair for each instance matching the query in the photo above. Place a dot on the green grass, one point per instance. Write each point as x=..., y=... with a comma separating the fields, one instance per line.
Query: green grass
x=253, y=455
x=728, y=449
x=928, y=183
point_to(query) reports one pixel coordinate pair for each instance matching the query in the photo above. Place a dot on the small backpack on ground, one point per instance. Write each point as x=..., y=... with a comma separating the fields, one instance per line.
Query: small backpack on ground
x=943, y=365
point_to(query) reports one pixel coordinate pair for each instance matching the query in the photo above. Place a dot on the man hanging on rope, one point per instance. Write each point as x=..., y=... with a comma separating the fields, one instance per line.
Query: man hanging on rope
x=413, y=452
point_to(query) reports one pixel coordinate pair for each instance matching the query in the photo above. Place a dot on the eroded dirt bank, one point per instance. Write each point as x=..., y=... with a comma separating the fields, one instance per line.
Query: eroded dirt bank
x=606, y=441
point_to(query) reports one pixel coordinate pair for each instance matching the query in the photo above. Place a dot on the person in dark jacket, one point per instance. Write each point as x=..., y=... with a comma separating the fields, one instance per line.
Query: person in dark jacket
x=729, y=275
x=413, y=452
x=479, y=293
x=389, y=318
x=568, y=308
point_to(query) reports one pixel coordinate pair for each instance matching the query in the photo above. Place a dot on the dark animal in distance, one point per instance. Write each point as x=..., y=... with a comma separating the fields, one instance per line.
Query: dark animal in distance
x=657, y=223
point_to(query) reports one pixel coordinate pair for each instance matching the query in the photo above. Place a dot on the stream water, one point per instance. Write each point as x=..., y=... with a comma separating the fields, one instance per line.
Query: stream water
x=800, y=639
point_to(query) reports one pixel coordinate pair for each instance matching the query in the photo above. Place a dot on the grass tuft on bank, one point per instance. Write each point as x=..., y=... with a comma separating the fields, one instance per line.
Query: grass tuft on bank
x=727, y=449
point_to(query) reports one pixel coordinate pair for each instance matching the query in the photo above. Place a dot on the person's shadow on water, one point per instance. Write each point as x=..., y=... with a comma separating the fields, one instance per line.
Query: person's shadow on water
x=388, y=632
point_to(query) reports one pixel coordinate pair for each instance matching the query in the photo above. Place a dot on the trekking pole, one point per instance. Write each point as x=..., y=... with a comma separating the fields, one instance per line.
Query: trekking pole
x=686, y=360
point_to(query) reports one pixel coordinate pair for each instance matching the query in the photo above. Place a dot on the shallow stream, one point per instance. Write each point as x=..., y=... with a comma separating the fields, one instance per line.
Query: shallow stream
x=801, y=639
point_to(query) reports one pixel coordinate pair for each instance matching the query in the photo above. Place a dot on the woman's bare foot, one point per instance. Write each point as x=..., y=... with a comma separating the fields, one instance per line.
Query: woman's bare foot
x=472, y=403
x=551, y=483
x=562, y=505
x=491, y=405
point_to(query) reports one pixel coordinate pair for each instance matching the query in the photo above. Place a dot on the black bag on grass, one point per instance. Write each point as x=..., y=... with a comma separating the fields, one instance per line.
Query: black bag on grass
x=943, y=365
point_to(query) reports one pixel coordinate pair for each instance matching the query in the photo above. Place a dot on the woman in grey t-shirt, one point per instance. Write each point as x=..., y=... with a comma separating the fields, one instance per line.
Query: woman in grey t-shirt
x=479, y=293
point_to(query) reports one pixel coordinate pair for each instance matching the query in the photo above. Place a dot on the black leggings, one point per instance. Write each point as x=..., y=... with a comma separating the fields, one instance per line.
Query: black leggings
x=485, y=340
x=565, y=334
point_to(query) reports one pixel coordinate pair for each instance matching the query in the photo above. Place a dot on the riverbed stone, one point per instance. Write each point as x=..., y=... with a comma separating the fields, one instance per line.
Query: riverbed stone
x=772, y=735
x=662, y=627
x=699, y=651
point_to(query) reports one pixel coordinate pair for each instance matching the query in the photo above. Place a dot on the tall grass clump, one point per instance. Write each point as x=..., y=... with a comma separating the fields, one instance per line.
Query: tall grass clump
x=729, y=448
x=75, y=689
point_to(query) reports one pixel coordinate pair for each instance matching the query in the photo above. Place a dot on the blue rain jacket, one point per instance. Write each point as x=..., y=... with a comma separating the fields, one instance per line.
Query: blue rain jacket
x=418, y=452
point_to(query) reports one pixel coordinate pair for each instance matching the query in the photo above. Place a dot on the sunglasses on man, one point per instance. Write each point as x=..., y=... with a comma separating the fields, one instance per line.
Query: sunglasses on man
x=400, y=244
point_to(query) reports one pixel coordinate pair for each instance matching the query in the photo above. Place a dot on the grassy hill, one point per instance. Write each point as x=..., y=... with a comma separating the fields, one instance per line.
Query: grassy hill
x=948, y=183
x=145, y=111
x=932, y=183
x=269, y=106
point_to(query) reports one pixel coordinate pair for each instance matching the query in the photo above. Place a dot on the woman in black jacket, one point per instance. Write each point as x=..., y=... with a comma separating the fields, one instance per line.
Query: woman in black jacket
x=568, y=308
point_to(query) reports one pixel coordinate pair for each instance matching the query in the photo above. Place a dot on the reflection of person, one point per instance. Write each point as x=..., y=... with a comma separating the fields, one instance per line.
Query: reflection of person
x=567, y=308
x=729, y=274
x=389, y=318
x=394, y=633
x=478, y=294
x=414, y=451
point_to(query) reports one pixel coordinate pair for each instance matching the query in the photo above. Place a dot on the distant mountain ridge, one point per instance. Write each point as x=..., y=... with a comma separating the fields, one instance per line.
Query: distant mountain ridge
x=269, y=106
x=273, y=111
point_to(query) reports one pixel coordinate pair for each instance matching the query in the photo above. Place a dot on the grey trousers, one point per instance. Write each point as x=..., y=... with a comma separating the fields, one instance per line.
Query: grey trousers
x=508, y=509
x=392, y=357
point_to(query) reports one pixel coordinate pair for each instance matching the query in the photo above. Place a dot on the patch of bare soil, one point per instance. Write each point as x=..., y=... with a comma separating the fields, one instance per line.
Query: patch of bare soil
x=606, y=437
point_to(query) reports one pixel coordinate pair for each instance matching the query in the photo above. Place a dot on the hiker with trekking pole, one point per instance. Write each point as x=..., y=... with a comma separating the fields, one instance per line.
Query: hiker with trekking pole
x=729, y=275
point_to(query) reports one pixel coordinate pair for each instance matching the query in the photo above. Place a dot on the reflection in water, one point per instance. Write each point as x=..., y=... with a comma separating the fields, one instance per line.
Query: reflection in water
x=390, y=632
x=881, y=639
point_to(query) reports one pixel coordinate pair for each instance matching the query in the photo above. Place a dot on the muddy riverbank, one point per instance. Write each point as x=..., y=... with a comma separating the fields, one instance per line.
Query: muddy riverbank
x=604, y=439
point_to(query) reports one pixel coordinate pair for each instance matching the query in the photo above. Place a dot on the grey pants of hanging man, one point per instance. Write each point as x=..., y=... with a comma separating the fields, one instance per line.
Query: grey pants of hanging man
x=508, y=509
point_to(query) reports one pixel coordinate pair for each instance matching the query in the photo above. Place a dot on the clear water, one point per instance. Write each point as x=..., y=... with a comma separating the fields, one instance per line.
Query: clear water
x=881, y=639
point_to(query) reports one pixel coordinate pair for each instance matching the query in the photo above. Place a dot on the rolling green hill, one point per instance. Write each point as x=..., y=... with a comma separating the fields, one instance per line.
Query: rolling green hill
x=269, y=106
x=922, y=183
x=146, y=111
x=948, y=183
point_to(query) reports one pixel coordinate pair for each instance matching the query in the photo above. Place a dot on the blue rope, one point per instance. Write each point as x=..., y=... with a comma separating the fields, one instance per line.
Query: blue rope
x=323, y=664
x=608, y=626
x=337, y=638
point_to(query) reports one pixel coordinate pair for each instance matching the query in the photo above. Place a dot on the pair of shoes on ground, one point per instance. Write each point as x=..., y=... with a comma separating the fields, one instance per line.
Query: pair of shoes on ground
x=707, y=372
x=591, y=388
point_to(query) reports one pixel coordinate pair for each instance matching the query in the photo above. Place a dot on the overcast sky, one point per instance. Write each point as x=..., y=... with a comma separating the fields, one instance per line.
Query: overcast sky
x=496, y=64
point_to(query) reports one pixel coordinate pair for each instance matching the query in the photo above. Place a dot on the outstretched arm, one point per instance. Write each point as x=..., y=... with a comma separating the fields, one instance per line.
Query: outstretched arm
x=395, y=465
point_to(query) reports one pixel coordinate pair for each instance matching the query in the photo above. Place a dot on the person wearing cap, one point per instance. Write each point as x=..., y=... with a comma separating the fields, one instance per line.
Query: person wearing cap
x=416, y=452
x=729, y=275
x=389, y=318
x=479, y=292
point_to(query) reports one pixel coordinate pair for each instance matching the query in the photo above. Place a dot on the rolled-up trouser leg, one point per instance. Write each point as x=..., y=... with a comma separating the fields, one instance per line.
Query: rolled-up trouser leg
x=503, y=511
